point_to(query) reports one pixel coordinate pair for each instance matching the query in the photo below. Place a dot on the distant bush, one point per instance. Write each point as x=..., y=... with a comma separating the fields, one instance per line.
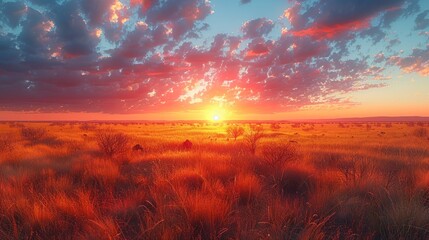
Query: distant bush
x=275, y=126
x=33, y=134
x=112, y=143
x=420, y=132
x=87, y=127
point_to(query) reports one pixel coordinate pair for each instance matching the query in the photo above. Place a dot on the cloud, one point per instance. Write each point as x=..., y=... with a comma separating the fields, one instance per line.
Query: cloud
x=257, y=27
x=174, y=10
x=422, y=20
x=96, y=10
x=417, y=61
x=331, y=18
x=245, y=1
x=73, y=33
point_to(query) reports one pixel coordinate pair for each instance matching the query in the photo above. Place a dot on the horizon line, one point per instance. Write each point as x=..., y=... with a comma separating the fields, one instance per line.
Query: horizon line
x=350, y=119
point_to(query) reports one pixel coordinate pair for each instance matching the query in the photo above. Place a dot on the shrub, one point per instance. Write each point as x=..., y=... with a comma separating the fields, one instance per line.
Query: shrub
x=355, y=168
x=391, y=170
x=406, y=219
x=297, y=182
x=208, y=215
x=420, y=132
x=235, y=131
x=277, y=155
x=33, y=134
x=247, y=188
x=358, y=209
x=188, y=178
x=87, y=127
x=6, y=143
x=275, y=126
x=112, y=143
x=254, y=134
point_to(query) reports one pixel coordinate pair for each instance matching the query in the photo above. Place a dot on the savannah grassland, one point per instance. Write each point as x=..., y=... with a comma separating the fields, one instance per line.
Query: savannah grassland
x=304, y=181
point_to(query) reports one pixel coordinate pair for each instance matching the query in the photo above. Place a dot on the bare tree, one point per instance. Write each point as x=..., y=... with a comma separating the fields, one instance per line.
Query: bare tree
x=235, y=131
x=253, y=135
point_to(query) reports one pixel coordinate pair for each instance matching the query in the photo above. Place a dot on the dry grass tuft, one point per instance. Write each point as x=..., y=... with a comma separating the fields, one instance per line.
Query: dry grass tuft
x=209, y=216
x=188, y=178
x=6, y=143
x=420, y=132
x=297, y=181
x=247, y=187
x=278, y=155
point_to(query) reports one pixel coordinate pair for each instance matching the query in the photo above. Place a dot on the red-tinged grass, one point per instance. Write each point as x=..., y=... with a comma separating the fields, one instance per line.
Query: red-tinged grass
x=224, y=171
x=303, y=181
x=97, y=171
x=297, y=181
x=247, y=187
x=187, y=178
x=406, y=219
x=209, y=216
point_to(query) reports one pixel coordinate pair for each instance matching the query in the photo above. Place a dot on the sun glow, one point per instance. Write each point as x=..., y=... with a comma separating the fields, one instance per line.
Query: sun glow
x=216, y=114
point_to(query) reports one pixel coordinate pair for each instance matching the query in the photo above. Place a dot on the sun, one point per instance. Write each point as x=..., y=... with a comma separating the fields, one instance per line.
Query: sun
x=216, y=114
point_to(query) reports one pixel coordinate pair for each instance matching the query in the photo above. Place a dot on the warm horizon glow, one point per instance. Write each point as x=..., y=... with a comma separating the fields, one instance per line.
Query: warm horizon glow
x=197, y=59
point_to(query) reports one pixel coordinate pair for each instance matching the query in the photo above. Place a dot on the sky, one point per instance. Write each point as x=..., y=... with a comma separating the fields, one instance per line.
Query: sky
x=194, y=59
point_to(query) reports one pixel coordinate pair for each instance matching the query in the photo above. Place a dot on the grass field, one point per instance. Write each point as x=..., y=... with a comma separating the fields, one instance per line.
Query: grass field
x=275, y=181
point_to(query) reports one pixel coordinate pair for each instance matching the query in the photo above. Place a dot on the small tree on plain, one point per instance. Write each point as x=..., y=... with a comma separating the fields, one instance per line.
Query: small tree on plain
x=253, y=135
x=235, y=131
x=112, y=143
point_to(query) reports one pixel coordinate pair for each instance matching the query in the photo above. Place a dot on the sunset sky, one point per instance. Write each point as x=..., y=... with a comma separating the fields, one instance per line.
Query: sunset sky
x=193, y=59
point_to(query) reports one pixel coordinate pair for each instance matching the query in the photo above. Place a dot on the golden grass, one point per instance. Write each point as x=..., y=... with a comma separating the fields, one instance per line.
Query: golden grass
x=299, y=181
